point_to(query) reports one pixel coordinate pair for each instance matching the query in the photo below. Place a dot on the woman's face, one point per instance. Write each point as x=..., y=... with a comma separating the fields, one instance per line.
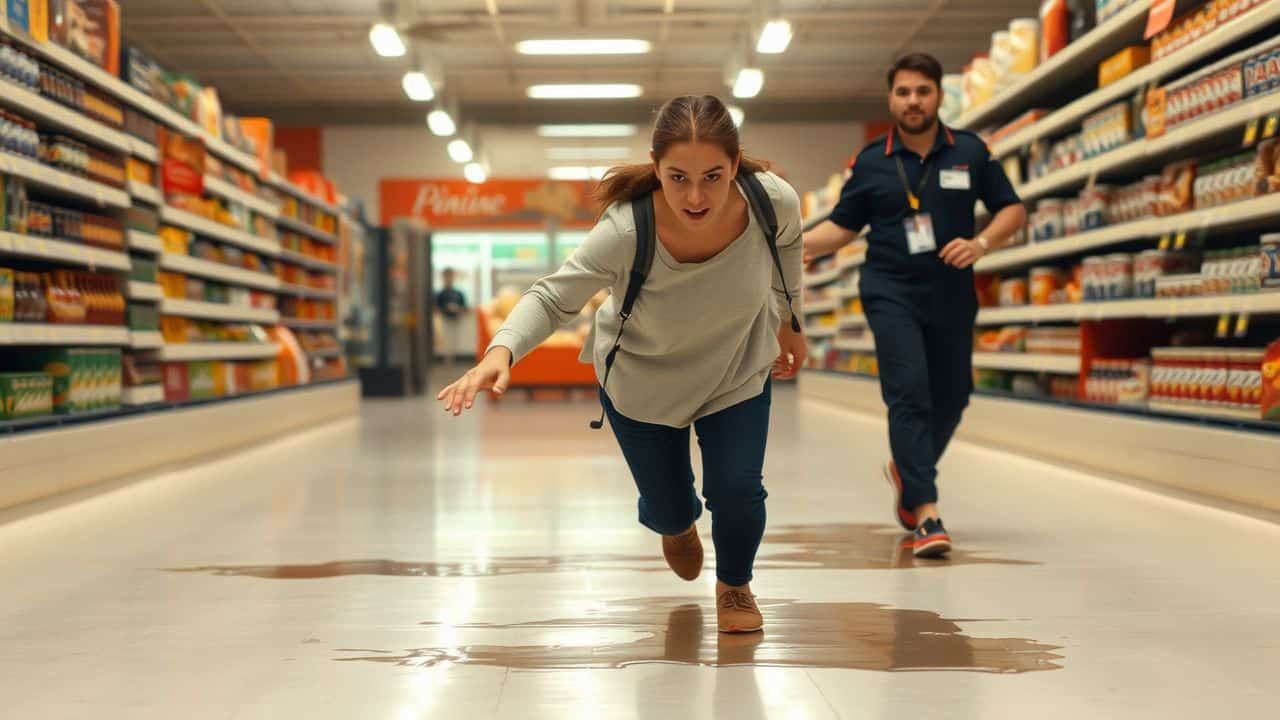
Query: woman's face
x=696, y=181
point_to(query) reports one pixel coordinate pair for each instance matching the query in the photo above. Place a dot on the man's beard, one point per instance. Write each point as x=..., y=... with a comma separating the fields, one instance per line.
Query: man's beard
x=925, y=125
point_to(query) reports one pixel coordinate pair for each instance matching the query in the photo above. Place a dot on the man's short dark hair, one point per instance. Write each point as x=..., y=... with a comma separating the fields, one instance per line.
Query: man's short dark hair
x=923, y=63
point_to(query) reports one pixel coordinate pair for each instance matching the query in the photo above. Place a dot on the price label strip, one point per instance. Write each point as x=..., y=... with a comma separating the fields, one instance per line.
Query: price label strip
x=1251, y=132
x=1165, y=241
x=1242, y=325
x=1271, y=125
x=1224, y=327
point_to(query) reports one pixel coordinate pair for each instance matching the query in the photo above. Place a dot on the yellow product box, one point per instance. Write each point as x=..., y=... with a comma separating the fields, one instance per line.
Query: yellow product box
x=175, y=239
x=7, y=295
x=1122, y=63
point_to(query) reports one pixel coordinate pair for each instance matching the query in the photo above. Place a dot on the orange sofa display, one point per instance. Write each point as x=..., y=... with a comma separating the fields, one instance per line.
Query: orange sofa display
x=555, y=362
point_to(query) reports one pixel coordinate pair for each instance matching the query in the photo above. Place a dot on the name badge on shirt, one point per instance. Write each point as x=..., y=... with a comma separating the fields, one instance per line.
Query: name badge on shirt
x=953, y=179
x=920, y=237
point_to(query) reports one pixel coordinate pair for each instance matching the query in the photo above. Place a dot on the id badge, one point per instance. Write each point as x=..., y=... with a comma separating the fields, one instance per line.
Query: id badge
x=920, y=237
x=953, y=179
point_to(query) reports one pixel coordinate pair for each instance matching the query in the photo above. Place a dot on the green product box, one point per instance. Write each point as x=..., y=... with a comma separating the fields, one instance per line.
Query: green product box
x=62, y=366
x=202, y=380
x=142, y=269
x=144, y=318
x=24, y=395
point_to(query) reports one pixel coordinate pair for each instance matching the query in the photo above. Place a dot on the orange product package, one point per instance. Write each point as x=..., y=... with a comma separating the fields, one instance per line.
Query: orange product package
x=1271, y=382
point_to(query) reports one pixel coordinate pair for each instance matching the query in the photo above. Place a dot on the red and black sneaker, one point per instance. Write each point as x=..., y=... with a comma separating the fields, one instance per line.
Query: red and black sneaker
x=906, y=518
x=932, y=540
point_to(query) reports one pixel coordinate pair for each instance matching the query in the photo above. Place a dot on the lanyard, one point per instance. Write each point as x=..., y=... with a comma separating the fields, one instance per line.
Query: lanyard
x=913, y=198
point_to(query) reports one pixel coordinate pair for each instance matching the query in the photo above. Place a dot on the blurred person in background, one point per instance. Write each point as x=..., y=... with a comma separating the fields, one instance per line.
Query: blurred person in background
x=713, y=321
x=917, y=187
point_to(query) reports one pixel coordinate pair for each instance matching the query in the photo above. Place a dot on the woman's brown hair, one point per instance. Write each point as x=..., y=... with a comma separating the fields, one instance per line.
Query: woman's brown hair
x=689, y=118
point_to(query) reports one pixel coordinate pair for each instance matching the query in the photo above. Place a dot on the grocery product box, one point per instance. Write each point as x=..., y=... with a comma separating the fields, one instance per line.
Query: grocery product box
x=29, y=16
x=88, y=28
x=177, y=388
x=1122, y=63
x=7, y=296
x=1262, y=73
x=24, y=395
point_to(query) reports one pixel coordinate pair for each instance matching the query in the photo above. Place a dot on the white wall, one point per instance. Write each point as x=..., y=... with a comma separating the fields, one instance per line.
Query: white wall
x=357, y=157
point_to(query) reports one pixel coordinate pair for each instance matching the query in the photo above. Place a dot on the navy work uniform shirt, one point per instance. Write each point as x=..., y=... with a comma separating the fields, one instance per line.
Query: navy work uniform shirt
x=875, y=194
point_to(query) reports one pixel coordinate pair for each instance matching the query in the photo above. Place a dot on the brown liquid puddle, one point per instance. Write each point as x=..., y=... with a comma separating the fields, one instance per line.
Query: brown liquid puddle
x=850, y=546
x=854, y=636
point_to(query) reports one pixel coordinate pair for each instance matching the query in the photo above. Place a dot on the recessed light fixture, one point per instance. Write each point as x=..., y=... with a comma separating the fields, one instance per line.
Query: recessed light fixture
x=588, y=153
x=460, y=151
x=775, y=38
x=582, y=131
x=584, y=47
x=441, y=124
x=585, y=92
x=386, y=41
x=418, y=87
x=749, y=83
x=474, y=173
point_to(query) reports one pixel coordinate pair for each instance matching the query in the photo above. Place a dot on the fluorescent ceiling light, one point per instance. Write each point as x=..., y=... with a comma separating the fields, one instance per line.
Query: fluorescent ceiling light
x=738, y=115
x=588, y=153
x=441, y=123
x=418, y=87
x=584, y=92
x=584, y=47
x=460, y=151
x=474, y=172
x=749, y=83
x=775, y=38
x=579, y=131
x=575, y=173
x=386, y=41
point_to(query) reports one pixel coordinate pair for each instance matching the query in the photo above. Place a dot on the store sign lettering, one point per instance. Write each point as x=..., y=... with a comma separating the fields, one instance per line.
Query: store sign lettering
x=436, y=200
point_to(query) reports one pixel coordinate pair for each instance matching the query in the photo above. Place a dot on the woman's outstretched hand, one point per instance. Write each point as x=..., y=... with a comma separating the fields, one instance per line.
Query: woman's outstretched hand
x=492, y=373
x=795, y=349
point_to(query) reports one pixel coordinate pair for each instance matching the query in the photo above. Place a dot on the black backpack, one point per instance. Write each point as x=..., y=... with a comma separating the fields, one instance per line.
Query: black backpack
x=646, y=245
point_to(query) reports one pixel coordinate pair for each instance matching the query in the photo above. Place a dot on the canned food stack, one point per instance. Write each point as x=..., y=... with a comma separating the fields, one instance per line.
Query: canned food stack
x=1109, y=277
x=1208, y=377
x=1118, y=382
x=1053, y=341
x=1197, y=24
x=1226, y=181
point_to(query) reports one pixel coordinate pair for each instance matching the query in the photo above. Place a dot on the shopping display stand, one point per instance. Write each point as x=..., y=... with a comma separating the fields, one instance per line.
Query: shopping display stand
x=1212, y=451
x=152, y=425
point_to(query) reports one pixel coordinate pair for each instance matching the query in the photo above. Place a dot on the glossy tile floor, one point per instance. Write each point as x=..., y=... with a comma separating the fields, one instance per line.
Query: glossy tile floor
x=410, y=565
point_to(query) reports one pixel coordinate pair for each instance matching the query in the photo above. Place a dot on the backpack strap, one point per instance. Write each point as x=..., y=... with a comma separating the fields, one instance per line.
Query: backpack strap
x=646, y=245
x=762, y=206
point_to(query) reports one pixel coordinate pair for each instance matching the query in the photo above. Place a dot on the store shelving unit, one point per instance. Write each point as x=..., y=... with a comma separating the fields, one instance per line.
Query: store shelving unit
x=143, y=291
x=1158, y=308
x=50, y=334
x=225, y=190
x=308, y=292
x=300, y=324
x=62, y=251
x=217, y=271
x=148, y=194
x=176, y=352
x=218, y=231
x=308, y=262
x=217, y=311
x=1028, y=362
x=305, y=229
x=58, y=116
x=144, y=150
x=63, y=183
x=144, y=242
x=145, y=340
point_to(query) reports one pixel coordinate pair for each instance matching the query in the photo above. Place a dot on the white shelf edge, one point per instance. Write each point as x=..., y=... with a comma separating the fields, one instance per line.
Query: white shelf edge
x=63, y=182
x=145, y=339
x=32, y=103
x=62, y=251
x=49, y=334
x=178, y=352
x=217, y=271
x=142, y=395
x=824, y=331
x=304, y=291
x=211, y=229
x=822, y=278
x=144, y=291
x=1221, y=413
x=1223, y=121
x=1029, y=362
x=1113, y=29
x=217, y=311
x=144, y=241
x=820, y=306
x=298, y=324
x=305, y=229
x=1157, y=308
x=302, y=260
x=226, y=190
x=851, y=322
x=1237, y=28
x=863, y=345
x=146, y=193
x=144, y=150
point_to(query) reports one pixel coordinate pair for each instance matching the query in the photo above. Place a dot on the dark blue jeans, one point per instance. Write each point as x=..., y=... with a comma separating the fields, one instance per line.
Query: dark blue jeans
x=733, y=444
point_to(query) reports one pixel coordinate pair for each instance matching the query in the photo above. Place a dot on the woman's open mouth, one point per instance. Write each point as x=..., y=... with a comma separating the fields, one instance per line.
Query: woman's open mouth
x=697, y=214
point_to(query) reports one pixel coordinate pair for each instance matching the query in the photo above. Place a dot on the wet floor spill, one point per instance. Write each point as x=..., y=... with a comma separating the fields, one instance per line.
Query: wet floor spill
x=850, y=546
x=855, y=636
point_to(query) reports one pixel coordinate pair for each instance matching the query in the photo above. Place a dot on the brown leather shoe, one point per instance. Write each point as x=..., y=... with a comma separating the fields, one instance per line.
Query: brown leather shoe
x=684, y=553
x=736, y=609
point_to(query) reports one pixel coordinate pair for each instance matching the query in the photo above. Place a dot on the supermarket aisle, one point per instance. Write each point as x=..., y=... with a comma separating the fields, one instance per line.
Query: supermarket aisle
x=409, y=566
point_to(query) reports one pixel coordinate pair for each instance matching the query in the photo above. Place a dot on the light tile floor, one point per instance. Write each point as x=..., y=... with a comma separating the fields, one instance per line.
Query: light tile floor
x=410, y=565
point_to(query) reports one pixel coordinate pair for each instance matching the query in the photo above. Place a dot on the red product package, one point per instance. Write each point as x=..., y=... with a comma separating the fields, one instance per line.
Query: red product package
x=1271, y=382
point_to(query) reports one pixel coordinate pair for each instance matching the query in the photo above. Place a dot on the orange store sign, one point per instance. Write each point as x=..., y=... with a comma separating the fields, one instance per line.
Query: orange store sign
x=450, y=203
